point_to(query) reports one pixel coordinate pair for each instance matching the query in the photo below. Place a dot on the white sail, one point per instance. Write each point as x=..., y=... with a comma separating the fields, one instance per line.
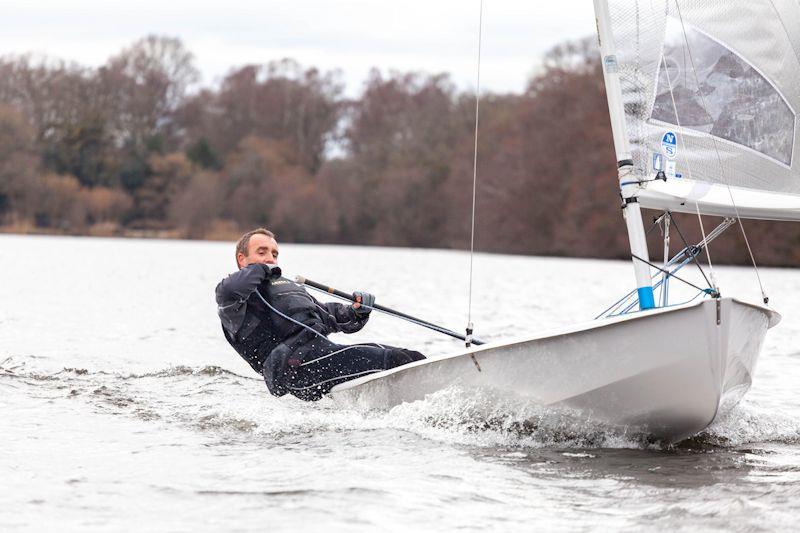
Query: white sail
x=711, y=92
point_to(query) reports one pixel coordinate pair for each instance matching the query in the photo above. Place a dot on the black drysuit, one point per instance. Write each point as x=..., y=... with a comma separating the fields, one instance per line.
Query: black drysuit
x=281, y=331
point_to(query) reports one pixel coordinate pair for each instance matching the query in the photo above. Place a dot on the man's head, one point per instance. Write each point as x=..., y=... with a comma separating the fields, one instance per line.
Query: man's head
x=257, y=246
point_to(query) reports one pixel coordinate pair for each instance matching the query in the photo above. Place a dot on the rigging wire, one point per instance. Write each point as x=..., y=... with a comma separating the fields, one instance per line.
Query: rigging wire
x=670, y=274
x=688, y=254
x=688, y=166
x=694, y=257
x=719, y=158
x=474, y=175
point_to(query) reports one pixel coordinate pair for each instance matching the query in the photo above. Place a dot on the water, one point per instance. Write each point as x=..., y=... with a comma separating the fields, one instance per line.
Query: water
x=122, y=407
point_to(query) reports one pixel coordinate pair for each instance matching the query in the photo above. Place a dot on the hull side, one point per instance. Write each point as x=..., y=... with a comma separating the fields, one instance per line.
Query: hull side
x=662, y=373
x=747, y=326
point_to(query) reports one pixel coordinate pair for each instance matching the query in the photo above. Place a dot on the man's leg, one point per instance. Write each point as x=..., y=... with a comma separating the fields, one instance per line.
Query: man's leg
x=320, y=365
x=401, y=356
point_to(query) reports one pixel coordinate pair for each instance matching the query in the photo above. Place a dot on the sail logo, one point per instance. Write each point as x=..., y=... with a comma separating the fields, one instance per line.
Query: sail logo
x=669, y=144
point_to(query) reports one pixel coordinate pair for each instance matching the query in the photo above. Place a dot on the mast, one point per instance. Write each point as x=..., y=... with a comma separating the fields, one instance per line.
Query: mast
x=629, y=187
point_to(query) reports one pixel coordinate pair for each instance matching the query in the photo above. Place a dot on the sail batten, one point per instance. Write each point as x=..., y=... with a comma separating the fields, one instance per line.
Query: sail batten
x=711, y=93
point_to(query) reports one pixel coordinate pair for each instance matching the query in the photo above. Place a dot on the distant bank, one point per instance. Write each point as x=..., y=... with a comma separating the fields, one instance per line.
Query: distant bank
x=762, y=234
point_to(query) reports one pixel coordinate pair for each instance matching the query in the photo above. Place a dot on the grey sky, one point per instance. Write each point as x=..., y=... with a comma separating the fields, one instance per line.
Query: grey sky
x=352, y=35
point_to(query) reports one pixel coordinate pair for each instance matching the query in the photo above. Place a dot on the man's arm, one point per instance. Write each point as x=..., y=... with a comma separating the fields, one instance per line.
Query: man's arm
x=232, y=294
x=241, y=284
x=343, y=317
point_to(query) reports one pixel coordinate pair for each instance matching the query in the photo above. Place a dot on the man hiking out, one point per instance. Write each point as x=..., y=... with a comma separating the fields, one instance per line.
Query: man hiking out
x=282, y=331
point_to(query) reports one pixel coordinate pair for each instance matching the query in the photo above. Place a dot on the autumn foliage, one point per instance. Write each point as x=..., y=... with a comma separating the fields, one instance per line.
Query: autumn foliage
x=136, y=147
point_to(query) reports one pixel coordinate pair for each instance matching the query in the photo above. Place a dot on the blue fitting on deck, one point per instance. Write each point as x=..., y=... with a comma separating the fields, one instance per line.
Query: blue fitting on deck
x=646, y=299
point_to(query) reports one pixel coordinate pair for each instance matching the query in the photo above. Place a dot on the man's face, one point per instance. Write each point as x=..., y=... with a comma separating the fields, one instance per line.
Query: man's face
x=260, y=249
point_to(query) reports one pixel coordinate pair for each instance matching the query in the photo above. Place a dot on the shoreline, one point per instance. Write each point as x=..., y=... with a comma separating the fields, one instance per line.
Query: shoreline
x=219, y=234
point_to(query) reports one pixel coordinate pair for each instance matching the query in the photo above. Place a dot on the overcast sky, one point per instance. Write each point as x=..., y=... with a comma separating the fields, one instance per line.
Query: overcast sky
x=351, y=35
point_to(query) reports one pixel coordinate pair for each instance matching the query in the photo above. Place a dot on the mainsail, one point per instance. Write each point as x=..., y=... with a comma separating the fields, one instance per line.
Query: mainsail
x=711, y=92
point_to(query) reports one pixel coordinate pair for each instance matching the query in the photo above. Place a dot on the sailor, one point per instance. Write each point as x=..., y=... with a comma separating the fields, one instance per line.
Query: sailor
x=282, y=331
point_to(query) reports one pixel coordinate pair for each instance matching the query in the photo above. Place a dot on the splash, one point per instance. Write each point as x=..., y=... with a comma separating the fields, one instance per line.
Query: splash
x=215, y=400
x=747, y=423
x=482, y=418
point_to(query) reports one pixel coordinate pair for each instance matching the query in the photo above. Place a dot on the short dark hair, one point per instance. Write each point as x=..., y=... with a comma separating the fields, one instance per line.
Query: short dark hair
x=244, y=241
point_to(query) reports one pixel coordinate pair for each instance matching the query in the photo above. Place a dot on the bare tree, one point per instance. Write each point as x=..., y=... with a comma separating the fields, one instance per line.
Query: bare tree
x=18, y=163
x=400, y=141
x=149, y=81
x=279, y=101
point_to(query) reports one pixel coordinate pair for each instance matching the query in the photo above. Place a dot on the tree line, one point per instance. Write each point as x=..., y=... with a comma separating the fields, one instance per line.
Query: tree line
x=135, y=147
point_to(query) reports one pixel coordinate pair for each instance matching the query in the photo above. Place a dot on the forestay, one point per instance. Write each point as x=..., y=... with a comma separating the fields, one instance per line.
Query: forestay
x=711, y=92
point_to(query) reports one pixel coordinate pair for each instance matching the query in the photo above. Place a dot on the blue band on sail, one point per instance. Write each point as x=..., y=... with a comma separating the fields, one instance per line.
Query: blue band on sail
x=646, y=300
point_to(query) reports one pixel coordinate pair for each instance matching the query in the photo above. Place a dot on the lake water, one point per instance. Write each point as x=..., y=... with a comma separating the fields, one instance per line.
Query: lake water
x=123, y=408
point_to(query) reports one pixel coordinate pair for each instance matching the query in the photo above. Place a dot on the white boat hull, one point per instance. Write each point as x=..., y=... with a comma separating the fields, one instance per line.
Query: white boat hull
x=666, y=373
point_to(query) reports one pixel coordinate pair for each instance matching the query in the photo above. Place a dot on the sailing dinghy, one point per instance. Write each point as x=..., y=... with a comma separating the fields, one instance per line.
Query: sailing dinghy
x=703, y=98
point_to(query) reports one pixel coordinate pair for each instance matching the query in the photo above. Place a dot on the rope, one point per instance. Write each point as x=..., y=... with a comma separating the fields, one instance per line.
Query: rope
x=290, y=319
x=474, y=175
x=719, y=160
x=318, y=334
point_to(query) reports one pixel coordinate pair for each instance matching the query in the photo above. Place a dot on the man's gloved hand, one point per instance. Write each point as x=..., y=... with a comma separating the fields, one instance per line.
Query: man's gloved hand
x=364, y=303
x=271, y=271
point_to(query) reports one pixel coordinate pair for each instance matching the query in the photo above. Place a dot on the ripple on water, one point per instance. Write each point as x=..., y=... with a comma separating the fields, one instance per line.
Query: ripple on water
x=210, y=398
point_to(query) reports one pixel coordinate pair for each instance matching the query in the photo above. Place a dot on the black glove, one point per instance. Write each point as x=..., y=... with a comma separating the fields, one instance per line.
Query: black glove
x=271, y=271
x=367, y=301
